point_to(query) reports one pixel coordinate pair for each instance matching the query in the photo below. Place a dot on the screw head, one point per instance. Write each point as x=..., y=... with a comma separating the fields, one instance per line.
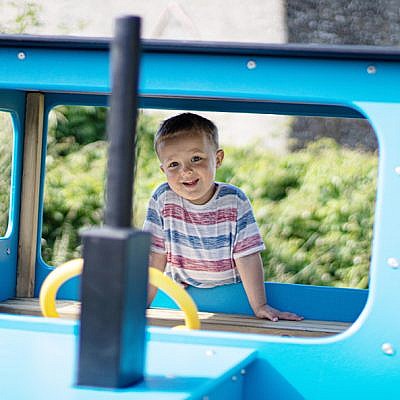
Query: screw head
x=393, y=262
x=371, y=69
x=210, y=353
x=8, y=251
x=251, y=64
x=234, y=378
x=397, y=170
x=388, y=349
x=243, y=371
x=21, y=55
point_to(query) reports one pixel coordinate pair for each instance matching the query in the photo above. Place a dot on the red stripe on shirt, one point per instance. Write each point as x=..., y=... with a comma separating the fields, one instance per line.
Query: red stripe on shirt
x=200, y=265
x=247, y=243
x=157, y=242
x=203, y=218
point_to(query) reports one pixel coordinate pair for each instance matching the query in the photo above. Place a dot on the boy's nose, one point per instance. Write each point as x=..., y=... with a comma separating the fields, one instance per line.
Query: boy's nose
x=187, y=170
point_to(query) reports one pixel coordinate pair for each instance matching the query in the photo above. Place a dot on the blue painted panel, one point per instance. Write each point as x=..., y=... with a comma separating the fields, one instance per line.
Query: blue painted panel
x=46, y=361
x=13, y=102
x=54, y=70
x=347, y=366
x=232, y=388
x=312, y=302
x=36, y=324
x=275, y=79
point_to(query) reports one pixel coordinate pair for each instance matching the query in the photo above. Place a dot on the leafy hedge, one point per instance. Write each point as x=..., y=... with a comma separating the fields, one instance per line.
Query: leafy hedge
x=315, y=210
x=6, y=144
x=314, y=207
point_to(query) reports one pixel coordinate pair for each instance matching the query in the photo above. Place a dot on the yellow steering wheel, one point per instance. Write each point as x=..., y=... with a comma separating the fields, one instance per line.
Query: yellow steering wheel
x=74, y=268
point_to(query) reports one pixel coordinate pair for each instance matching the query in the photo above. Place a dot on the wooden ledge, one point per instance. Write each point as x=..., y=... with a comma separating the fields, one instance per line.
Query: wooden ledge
x=209, y=321
x=248, y=324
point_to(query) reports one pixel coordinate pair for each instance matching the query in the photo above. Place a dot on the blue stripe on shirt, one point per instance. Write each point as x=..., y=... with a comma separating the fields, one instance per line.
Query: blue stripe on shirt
x=227, y=190
x=160, y=190
x=195, y=242
x=245, y=220
x=152, y=216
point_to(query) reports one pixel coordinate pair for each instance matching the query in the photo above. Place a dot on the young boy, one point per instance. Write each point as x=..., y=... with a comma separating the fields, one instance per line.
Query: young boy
x=204, y=232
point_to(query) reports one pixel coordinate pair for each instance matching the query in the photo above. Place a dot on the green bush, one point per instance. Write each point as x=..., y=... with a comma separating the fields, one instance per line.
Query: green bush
x=74, y=197
x=315, y=210
x=6, y=144
x=75, y=178
x=314, y=207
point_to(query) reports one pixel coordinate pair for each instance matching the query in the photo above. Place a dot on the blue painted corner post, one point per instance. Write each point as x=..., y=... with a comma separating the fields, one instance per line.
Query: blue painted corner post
x=115, y=274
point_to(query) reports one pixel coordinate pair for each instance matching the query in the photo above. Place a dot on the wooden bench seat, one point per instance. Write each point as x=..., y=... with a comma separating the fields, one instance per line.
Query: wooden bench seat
x=209, y=321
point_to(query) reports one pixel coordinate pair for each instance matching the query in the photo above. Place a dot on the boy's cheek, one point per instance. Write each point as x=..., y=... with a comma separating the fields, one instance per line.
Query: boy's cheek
x=170, y=178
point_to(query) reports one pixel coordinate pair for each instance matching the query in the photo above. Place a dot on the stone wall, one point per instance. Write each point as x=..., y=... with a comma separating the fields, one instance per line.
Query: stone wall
x=354, y=22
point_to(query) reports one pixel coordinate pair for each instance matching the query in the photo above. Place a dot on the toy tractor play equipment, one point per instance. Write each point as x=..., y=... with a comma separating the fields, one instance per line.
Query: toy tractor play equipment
x=360, y=357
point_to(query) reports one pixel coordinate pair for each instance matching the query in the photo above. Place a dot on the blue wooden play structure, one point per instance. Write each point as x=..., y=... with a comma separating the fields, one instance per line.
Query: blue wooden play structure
x=39, y=356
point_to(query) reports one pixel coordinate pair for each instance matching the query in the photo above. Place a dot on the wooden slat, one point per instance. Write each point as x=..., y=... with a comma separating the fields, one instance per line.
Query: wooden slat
x=209, y=321
x=30, y=194
x=242, y=322
x=30, y=306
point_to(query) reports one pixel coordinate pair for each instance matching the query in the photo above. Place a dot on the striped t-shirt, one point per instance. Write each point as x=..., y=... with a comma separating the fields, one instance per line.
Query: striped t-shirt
x=202, y=241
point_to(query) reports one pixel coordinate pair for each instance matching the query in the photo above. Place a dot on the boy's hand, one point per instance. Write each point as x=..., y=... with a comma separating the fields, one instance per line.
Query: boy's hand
x=268, y=312
x=251, y=271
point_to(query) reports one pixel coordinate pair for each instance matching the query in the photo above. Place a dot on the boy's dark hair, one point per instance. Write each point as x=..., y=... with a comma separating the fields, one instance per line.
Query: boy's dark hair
x=186, y=122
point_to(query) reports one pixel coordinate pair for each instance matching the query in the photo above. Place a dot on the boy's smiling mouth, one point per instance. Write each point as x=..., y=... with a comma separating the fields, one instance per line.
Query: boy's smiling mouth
x=191, y=183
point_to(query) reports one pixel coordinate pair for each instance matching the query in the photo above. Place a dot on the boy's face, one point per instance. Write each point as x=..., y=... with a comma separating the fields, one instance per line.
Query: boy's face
x=189, y=163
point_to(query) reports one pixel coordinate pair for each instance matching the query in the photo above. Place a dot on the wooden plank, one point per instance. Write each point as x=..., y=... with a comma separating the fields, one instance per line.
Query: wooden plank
x=30, y=306
x=30, y=194
x=209, y=321
x=240, y=322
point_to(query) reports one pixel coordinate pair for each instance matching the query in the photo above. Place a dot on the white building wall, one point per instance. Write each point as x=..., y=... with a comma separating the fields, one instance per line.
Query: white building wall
x=233, y=20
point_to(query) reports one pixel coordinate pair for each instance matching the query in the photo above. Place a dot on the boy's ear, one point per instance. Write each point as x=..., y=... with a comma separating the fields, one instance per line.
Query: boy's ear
x=219, y=157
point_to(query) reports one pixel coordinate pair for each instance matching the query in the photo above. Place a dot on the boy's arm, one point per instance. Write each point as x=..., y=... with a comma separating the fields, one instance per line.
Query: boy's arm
x=252, y=274
x=156, y=260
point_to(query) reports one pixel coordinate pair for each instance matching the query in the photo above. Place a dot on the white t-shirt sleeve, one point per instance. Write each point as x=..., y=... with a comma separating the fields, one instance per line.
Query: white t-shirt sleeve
x=248, y=239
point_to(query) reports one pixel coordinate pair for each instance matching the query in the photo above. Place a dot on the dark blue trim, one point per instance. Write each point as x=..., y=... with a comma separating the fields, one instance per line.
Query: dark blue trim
x=292, y=50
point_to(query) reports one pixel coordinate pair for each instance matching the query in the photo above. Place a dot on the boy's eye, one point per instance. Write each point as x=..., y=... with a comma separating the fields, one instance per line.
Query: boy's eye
x=172, y=164
x=196, y=158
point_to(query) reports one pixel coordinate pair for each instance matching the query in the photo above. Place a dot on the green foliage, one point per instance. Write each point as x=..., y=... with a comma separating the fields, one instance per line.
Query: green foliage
x=75, y=177
x=74, y=193
x=6, y=140
x=148, y=174
x=74, y=186
x=314, y=207
x=315, y=211
x=71, y=128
